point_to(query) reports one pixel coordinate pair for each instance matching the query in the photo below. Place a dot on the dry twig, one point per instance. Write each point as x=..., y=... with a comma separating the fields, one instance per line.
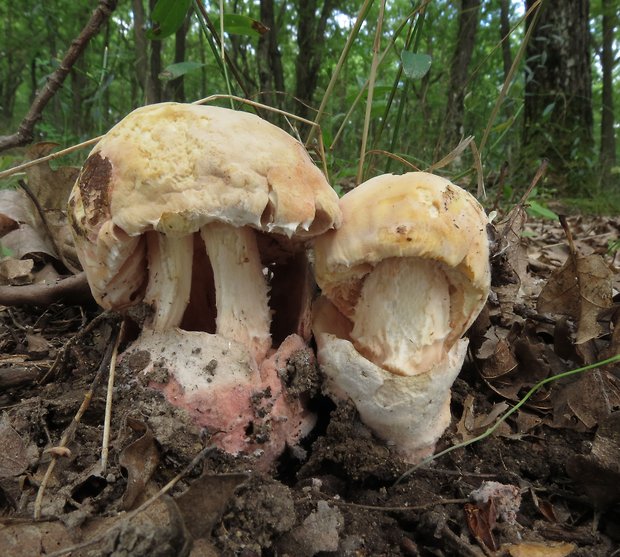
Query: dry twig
x=25, y=132
x=71, y=429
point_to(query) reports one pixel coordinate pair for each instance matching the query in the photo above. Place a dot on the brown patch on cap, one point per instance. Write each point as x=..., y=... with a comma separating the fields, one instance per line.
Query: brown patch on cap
x=94, y=182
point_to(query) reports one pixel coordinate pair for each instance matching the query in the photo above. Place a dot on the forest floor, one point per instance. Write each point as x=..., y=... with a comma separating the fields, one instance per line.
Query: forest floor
x=546, y=483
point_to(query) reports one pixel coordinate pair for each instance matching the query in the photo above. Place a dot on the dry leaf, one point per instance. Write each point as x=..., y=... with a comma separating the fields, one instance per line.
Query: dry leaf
x=50, y=187
x=34, y=540
x=590, y=398
x=599, y=472
x=14, y=455
x=16, y=271
x=140, y=459
x=480, y=521
x=580, y=289
x=203, y=503
x=536, y=549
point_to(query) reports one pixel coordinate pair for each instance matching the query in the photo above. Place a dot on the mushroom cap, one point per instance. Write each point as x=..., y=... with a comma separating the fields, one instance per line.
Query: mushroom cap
x=172, y=168
x=414, y=215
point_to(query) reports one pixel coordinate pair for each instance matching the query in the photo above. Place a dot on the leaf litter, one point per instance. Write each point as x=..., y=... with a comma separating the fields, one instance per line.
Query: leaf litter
x=542, y=485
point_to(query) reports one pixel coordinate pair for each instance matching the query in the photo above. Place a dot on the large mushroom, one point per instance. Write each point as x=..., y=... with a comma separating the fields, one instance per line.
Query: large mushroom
x=198, y=212
x=402, y=279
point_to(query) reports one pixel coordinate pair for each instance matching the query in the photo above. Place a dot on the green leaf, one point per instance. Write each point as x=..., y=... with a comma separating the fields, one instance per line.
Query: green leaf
x=236, y=24
x=177, y=70
x=535, y=209
x=415, y=65
x=167, y=17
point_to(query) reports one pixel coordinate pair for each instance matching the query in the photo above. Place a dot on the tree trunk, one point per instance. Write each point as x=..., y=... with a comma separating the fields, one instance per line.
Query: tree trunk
x=141, y=63
x=608, y=138
x=310, y=41
x=504, y=31
x=466, y=39
x=154, y=88
x=558, y=92
x=268, y=57
x=177, y=86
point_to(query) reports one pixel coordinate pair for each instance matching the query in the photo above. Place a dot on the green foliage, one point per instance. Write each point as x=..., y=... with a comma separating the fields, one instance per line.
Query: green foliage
x=415, y=65
x=408, y=111
x=167, y=17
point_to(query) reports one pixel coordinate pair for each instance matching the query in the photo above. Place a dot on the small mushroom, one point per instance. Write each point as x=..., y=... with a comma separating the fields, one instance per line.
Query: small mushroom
x=402, y=279
x=198, y=212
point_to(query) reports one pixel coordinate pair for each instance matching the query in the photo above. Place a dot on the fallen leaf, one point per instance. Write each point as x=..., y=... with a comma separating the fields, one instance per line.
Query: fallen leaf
x=16, y=271
x=599, y=472
x=537, y=549
x=14, y=454
x=579, y=289
x=203, y=503
x=590, y=398
x=140, y=459
x=480, y=521
x=33, y=540
x=50, y=186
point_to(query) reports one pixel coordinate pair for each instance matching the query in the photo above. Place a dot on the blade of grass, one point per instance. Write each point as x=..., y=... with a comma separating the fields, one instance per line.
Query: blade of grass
x=361, y=17
x=371, y=87
x=223, y=51
x=365, y=85
x=509, y=78
x=510, y=412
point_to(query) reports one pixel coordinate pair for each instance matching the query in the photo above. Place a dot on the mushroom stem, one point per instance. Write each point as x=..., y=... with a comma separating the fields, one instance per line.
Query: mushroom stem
x=241, y=289
x=402, y=318
x=170, y=278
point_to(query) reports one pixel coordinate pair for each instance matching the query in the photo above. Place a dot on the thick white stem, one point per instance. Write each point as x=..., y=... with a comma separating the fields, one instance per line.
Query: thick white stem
x=241, y=289
x=170, y=278
x=402, y=318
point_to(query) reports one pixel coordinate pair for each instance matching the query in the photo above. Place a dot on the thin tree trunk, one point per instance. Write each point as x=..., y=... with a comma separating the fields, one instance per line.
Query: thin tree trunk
x=311, y=44
x=141, y=63
x=154, y=88
x=177, y=86
x=268, y=57
x=558, y=122
x=608, y=138
x=465, y=42
x=504, y=31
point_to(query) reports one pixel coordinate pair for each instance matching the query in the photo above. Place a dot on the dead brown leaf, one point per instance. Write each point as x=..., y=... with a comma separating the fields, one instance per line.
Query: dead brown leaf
x=580, y=289
x=538, y=549
x=203, y=503
x=590, y=399
x=140, y=459
x=14, y=454
x=50, y=186
x=480, y=521
x=599, y=472
x=33, y=540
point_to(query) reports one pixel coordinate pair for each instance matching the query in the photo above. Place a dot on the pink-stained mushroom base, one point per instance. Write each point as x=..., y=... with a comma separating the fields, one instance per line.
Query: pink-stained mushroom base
x=215, y=380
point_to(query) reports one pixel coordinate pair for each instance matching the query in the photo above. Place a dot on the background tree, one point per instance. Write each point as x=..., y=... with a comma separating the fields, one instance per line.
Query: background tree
x=558, y=122
x=463, y=49
x=608, y=62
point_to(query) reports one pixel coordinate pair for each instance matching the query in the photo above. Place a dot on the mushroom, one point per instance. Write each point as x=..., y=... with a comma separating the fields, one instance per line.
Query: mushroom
x=198, y=212
x=402, y=279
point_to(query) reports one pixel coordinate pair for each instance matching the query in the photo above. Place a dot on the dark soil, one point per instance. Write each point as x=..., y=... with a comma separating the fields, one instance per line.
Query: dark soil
x=338, y=494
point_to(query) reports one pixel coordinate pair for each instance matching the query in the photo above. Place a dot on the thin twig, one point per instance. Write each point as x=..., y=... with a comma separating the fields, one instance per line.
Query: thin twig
x=68, y=434
x=105, y=445
x=423, y=507
x=62, y=354
x=371, y=88
x=489, y=431
x=25, y=131
x=74, y=288
x=196, y=460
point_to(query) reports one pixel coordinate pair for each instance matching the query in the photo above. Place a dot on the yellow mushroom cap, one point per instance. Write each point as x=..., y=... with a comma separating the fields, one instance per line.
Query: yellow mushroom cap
x=415, y=215
x=173, y=168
